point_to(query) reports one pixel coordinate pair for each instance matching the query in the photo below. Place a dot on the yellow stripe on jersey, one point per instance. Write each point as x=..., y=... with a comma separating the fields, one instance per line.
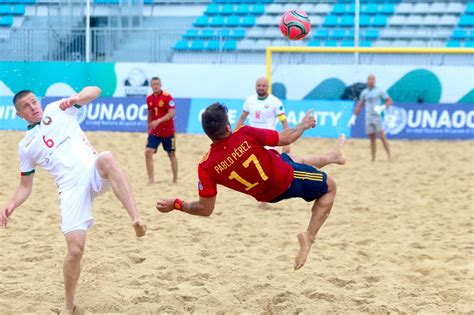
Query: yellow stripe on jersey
x=306, y=173
x=316, y=179
x=310, y=176
x=205, y=157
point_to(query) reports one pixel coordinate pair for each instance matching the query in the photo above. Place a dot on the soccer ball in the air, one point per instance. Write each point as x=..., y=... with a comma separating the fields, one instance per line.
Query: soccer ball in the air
x=295, y=24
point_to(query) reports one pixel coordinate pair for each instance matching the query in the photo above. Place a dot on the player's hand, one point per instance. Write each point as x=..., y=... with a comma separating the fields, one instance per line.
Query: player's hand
x=165, y=205
x=154, y=123
x=287, y=149
x=68, y=102
x=308, y=120
x=352, y=121
x=6, y=213
x=379, y=109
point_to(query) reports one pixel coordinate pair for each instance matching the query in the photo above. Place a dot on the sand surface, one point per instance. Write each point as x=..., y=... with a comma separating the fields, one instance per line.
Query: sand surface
x=399, y=239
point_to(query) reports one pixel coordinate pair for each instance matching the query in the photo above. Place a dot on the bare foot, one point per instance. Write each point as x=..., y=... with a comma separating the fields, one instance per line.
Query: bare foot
x=338, y=153
x=150, y=182
x=264, y=206
x=66, y=311
x=140, y=228
x=305, y=247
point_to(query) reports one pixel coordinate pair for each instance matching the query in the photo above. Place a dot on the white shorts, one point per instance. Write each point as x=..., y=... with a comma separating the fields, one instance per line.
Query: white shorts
x=76, y=203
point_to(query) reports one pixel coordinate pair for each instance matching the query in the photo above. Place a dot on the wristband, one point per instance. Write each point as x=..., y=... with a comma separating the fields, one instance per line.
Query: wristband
x=178, y=204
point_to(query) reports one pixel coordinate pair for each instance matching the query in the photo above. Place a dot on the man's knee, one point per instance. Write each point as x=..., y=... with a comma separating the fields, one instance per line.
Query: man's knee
x=171, y=155
x=149, y=152
x=75, y=252
x=332, y=187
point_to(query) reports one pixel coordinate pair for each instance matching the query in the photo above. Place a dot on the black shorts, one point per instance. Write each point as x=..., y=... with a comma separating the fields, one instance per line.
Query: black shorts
x=308, y=182
x=169, y=143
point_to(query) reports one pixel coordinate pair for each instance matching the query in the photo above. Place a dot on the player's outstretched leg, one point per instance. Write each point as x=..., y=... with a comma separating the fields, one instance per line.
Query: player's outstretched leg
x=76, y=241
x=385, y=144
x=335, y=156
x=373, y=145
x=321, y=209
x=108, y=168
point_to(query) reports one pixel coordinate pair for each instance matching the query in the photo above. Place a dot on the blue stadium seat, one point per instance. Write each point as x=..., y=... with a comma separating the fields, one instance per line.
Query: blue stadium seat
x=469, y=44
x=258, y=9
x=371, y=33
x=181, y=45
x=229, y=45
x=470, y=8
x=243, y=9
x=238, y=33
x=459, y=33
x=351, y=9
x=347, y=20
x=217, y=20
x=197, y=45
x=201, y=21
x=6, y=21
x=212, y=9
x=350, y=33
x=388, y=8
x=18, y=9
x=330, y=43
x=248, y=21
x=223, y=33
x=453, y=43
x=370, y=8
x=227, y=9
x=5, y=9
x=471, y=36
x=232, y=21
x=379, y=20
x=321, y=33
x=314, y=43
x=330, y=20
x=213, y=45
x=339, y=8
x=365, y=43
x=466, y=20
x=191, y=33
x=207, y=33
x=347, y=43
x=338, y=33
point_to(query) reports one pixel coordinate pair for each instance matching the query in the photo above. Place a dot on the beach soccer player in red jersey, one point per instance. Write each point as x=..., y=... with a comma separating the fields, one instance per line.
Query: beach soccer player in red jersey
x=240, y=161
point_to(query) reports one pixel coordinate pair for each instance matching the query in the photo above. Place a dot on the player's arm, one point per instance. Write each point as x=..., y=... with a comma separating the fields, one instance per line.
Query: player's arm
x=357, y=110
x=241, y=120
x=388, y=102
x=290, y=135
x=84, y=97
x=22, y=193
x=203, y=207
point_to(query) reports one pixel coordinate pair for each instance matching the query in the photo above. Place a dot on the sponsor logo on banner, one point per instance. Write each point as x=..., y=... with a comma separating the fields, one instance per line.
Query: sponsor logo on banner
x=8, y=117
x=136, y=83
x=425, y=121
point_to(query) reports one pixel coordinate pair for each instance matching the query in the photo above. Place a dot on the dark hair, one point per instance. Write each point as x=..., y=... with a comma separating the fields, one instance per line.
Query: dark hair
x=20, y=95
x=214, y=121
x=155, y=78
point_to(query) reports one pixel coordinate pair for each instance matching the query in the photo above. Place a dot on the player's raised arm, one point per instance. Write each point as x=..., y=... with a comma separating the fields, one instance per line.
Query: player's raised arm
x=85, y=96
x=241, y=120
x=21, y=194
x=290, y=135
x=203, y=207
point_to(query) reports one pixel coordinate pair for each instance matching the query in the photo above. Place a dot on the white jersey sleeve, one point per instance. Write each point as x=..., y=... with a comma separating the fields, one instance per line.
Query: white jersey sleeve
x=363, y=95
x=279, y=109
x=27, y=166
x=246, y=107
x=383, y=95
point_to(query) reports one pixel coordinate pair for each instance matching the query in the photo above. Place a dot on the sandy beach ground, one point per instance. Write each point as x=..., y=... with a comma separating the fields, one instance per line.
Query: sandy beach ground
x=400, y=238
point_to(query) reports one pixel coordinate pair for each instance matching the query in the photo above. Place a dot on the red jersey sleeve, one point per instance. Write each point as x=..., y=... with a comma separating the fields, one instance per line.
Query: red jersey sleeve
x=170, y=104
x=264, y=137
x=206, y=186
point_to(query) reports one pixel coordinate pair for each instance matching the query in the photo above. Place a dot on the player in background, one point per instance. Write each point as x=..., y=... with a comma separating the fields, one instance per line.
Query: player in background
x=240, y=161
x=55, y=142
x=264, y=110
x=376, y=101
x=160, y=126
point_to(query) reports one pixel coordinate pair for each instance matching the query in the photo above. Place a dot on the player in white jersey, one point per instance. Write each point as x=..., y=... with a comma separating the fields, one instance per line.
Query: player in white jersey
x=376, y=101
x=55, y=142
x=264, y=111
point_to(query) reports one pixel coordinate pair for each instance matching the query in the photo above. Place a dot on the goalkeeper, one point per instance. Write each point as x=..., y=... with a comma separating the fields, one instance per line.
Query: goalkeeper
x=376, y=101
